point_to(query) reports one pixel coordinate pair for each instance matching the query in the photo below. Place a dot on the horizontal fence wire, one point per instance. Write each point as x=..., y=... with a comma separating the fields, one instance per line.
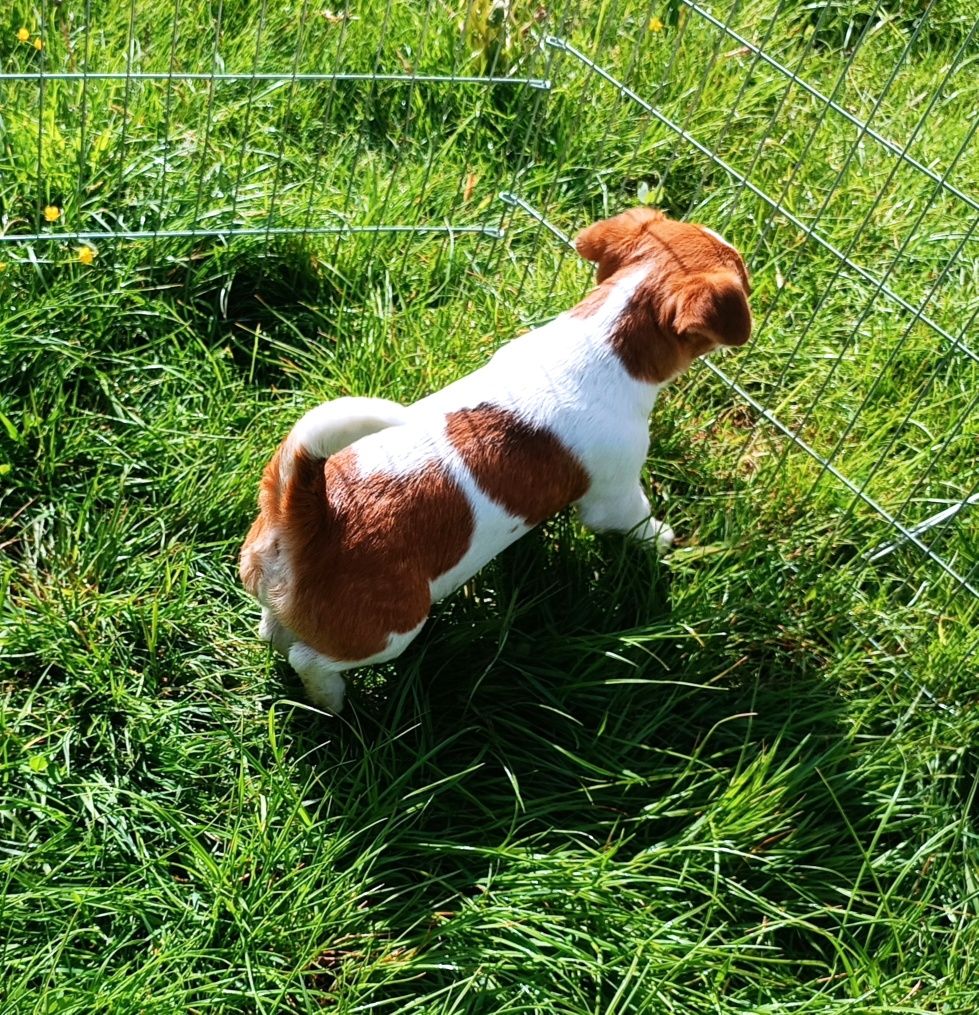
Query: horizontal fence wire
x=232, y=231
x=284, y=77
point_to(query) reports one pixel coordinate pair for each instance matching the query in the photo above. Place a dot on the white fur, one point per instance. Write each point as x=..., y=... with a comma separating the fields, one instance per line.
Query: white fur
x=332, y=426
x=564, y=377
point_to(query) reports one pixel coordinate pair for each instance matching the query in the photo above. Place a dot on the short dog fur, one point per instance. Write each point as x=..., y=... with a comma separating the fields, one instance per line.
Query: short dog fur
x=370, y=511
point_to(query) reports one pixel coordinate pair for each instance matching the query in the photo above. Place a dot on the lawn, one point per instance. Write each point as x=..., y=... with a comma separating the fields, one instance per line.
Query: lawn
x=741, y=779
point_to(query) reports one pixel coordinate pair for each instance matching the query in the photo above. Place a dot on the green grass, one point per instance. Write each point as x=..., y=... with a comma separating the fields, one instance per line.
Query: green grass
x=744, y=779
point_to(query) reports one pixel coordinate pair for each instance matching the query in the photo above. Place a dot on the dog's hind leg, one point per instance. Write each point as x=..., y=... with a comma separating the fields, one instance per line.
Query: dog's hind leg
x=270, y=630
x=320, y=676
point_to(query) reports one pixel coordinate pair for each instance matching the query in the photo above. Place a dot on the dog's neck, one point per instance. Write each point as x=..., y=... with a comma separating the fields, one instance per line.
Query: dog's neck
x=624, y=312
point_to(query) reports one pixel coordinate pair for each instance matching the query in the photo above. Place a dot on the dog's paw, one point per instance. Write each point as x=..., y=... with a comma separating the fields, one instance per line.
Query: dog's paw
x=657, y=533
x=324, y=685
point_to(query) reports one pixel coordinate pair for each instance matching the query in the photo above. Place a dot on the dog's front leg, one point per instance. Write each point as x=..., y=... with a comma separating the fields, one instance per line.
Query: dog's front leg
x=624, y=510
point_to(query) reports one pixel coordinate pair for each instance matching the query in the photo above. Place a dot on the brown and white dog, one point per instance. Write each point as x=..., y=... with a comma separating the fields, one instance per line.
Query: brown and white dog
x=371, y=511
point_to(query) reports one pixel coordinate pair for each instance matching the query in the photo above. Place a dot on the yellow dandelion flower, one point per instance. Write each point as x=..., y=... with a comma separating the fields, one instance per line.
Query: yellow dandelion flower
x=38, y=43
x=23, y=34
x=655, y=25
x=3, y=265
x=51, y=213
x=86, y=255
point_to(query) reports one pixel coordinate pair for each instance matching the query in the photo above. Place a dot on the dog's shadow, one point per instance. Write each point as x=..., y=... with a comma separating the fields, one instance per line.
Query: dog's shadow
x=549, y=606
x=558, y=703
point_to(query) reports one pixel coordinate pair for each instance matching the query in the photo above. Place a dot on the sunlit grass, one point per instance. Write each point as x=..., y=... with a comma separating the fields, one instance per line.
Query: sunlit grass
x=742, y=779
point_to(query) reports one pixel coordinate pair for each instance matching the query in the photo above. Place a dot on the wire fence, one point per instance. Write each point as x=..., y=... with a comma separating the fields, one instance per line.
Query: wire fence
x=796, y=150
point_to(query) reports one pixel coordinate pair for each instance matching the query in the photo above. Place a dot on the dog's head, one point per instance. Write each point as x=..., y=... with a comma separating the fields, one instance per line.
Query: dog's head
x=692, y=298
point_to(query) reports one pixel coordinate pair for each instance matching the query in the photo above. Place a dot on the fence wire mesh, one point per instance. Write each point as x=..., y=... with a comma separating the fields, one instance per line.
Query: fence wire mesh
x=489, y=133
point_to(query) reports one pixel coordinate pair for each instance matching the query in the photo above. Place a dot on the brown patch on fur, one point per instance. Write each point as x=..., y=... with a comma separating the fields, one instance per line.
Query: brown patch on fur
x=359, y=551
x=693, y=298
x=526, y=469
x=648, y=351
x=261, y=534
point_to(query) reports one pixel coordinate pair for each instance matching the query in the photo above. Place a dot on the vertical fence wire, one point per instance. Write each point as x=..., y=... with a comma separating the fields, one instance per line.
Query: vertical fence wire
x=828, y=105
x=405, y=124
x=540, y=211
x=127, y=92
x=746, y=79
x=39, y=203
x=447, y=246
x=662, y=84
x=556, y=167
x=459, y=197
x=871, y=300
x=691, y=108
x=81, y=169
x=202, y=172
x=498, y=249
x=247, y=117
x=491, y=249
x=371, y=98
x=433, y=147
x=315, y=183
x=163, y=134
x=285, y=117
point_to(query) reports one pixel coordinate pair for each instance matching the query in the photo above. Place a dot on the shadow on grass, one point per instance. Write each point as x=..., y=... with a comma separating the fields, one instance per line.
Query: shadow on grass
x=559, y=707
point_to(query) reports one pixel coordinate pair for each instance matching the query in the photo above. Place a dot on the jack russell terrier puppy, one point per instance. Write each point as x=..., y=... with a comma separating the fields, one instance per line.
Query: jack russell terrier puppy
x=370, y=511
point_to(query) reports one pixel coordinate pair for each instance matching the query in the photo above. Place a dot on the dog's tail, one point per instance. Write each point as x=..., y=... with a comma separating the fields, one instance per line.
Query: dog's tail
x=330, y=428
x=295, y=477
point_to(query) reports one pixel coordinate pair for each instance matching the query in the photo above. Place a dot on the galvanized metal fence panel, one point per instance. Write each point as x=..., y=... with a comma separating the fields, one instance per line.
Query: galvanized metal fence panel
x=127, y=104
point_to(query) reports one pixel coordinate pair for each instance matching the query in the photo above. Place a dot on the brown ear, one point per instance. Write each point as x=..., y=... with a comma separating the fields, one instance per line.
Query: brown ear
x=714, y=305
x=591, y=242
x=609, y=243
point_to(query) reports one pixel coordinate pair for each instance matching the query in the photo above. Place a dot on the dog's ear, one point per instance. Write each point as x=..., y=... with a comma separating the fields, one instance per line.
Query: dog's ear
x=714, y=306
x=611, y=242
